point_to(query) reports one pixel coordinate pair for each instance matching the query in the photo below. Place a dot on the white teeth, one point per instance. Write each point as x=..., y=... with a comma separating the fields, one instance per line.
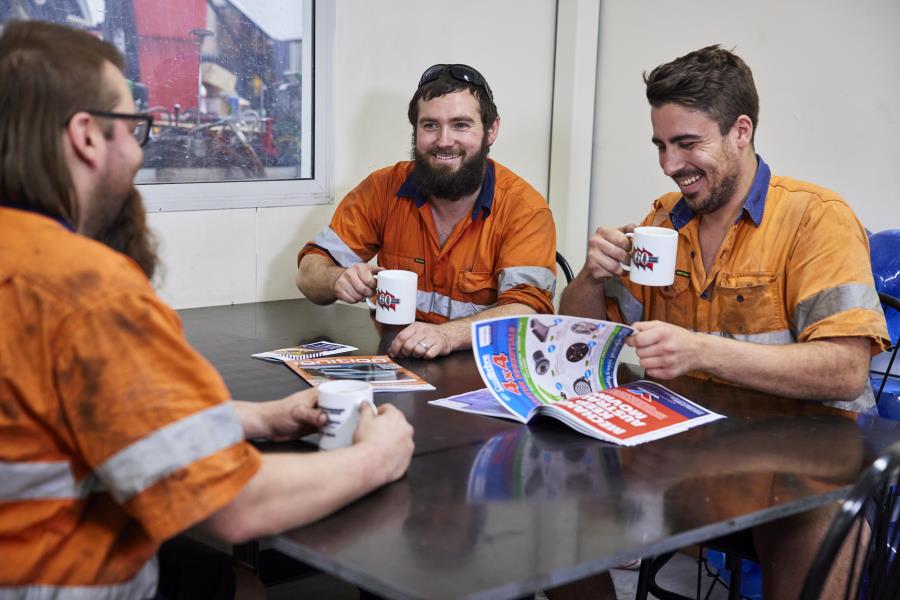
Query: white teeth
x=446, y=156
x=689, y=181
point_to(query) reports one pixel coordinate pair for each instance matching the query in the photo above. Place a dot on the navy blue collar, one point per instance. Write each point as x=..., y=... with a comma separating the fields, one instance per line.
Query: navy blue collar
x=754, y=205
x=32, y=209
x=482, y=204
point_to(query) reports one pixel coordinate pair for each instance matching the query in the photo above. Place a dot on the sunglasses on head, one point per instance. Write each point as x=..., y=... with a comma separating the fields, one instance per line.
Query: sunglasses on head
x=457, y=72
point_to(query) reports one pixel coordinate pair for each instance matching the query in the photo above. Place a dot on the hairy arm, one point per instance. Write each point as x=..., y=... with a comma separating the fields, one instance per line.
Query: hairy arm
x=584, y=297
x=826, y=368
x=425, y=340
x=290, y=490
x=323, y=282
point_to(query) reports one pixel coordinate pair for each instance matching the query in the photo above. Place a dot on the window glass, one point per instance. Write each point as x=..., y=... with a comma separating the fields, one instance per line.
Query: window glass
x=224, y=80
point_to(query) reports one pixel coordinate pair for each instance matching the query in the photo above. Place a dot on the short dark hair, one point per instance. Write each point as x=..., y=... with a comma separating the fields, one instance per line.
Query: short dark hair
x=48, y=72
x=447, y=84
x=711, y=79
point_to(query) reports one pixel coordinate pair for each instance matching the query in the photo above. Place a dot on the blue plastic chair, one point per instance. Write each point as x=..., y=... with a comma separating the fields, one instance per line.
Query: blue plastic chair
x=885, y=252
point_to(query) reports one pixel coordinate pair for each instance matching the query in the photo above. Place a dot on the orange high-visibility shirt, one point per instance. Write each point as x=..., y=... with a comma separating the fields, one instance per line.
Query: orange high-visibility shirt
x=114, y=433
x=505, y=253
x=794, y=267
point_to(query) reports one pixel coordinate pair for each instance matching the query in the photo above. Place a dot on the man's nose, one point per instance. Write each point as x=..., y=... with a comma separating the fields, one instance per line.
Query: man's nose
x=446, y=137
x=670, y=162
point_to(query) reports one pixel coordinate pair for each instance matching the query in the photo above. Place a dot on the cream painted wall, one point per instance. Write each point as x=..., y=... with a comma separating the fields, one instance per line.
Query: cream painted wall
x=828, y=78
x=381, y=48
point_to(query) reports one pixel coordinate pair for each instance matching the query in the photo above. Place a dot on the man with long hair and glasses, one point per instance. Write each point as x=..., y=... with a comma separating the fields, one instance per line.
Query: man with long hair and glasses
x=773, y=288
x=480, y=238
x=115, y=435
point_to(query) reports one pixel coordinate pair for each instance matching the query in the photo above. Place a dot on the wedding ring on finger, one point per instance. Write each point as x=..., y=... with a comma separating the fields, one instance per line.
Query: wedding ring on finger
x=424, y=345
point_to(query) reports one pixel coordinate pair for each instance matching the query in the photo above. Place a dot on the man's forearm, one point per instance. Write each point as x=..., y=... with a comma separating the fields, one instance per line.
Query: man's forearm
x=291, y=490
x=460, y=330
x=315, y=278
x=583, y=297
x=826, y=369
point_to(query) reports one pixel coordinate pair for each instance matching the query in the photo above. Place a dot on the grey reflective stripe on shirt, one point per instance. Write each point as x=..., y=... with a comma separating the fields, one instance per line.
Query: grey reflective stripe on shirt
x=328, y=240
x=175, y=446
x=773, y=338
x=834, y=301
x=41, y=481
x=539, y=277
x=432, y=302
x=143, y=585
x=631, y=308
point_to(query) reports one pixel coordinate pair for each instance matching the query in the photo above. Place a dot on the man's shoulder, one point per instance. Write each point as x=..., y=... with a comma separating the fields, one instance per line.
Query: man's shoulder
x=797, y=191
x=392, y=175
x=43, y=254
x=510, y=186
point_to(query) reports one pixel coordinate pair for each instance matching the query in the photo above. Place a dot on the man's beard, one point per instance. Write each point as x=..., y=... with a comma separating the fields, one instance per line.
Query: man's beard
x=443, y=183
x=127, y=232
x=719, y=194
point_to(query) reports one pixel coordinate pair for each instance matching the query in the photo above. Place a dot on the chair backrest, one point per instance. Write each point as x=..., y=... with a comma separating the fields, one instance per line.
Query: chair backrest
x=885, y=252
x=879, y=576
x=564, y=266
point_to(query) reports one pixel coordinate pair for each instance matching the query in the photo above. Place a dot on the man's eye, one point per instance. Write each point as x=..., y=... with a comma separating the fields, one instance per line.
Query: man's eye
x=687, y=145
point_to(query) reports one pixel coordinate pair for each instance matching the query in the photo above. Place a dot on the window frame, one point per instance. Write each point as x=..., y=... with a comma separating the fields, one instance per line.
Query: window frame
x=172, y=197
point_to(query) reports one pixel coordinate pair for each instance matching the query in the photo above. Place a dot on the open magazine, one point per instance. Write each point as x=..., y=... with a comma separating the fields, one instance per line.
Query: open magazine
x=304, y=351
x=565, y=367
x=382, y=373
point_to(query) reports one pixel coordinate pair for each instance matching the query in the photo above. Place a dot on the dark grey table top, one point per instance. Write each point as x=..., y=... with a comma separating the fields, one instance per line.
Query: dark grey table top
x=494, y=509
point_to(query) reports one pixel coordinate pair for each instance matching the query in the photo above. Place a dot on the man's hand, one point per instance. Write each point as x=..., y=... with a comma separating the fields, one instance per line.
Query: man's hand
x=387, y=434
x=292, y=417
x=665, y=351
x=422, y=340
x=606, y=249
x=356, y=283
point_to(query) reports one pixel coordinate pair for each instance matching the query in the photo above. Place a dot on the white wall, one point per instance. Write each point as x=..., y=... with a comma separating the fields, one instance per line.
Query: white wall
x=828, y=77
x=827, y=73
x=381, y=49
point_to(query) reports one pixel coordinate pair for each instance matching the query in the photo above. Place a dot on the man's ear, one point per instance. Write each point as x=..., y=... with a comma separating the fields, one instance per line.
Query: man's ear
x=492, y=131
x=85, y=137
x=743, y=128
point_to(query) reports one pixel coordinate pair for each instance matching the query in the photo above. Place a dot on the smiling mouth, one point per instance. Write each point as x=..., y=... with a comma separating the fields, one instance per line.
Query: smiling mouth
x=440, y=156
x=688, y=181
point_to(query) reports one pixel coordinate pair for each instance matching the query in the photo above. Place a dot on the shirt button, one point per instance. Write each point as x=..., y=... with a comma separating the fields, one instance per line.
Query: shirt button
x=705, y=295
x=693, y=254
x=740, y=298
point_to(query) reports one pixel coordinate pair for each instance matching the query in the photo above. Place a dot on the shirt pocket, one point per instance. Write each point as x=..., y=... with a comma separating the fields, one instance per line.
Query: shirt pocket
x=389, y=260
x=677, y=305
x=750, y=302
x=477, y=287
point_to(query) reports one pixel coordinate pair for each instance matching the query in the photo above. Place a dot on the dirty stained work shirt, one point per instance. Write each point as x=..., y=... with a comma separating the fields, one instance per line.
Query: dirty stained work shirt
x=114, y=433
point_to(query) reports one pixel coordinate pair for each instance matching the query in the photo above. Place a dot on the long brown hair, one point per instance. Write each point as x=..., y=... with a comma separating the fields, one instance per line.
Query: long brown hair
x=48, y=73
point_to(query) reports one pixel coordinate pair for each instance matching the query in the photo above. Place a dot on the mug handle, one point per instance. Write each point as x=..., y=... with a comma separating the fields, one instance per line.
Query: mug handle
x=369, y=302
x=621, y=264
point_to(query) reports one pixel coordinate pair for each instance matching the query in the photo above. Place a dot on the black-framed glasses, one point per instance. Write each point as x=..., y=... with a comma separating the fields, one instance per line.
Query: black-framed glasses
x=143, y=122
x=459, y=73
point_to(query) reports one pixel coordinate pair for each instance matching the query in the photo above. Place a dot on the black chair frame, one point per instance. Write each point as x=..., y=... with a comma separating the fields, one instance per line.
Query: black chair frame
x=879, y=576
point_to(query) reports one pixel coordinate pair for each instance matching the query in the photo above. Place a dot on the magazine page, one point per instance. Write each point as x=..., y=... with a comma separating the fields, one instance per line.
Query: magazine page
x=476, y=402
x=534, y=360
x=631, y=414
x=304, y=351
x=381, y=372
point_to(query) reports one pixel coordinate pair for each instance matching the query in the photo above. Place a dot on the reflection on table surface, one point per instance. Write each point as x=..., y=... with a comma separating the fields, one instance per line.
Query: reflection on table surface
x=499, y=509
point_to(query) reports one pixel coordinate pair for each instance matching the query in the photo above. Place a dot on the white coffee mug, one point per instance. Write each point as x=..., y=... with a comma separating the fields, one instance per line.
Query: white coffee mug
x=395, y=297
x=653, y=251
x=340, y=400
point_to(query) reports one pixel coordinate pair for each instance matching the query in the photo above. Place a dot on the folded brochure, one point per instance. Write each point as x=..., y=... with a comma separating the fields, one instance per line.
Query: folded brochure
x=305, y=351
x=380, y=371
x=565, y=367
